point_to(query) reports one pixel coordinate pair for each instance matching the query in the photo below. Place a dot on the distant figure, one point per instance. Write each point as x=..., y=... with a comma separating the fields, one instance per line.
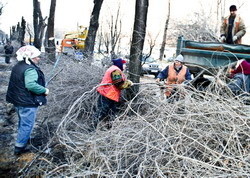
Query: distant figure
x=26, y=91
x=232, y=28
x=8, y=49
x=175, y=73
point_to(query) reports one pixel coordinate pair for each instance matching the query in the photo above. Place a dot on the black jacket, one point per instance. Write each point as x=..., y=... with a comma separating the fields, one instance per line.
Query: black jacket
x=8, y=49
x=17, y=94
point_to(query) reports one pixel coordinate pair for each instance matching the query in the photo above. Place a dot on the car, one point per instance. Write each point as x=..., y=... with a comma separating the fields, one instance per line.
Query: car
x=150, y=66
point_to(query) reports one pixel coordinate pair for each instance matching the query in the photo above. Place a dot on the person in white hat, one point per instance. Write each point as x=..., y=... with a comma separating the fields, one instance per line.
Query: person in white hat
x=175, y=73
x=26, y=91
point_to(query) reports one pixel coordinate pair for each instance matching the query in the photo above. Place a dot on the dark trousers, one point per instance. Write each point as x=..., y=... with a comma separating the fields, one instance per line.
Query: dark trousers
x=7, y=58
x=106, y=108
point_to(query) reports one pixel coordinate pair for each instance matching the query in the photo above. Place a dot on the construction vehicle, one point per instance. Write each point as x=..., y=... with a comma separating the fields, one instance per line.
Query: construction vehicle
x=74, y=40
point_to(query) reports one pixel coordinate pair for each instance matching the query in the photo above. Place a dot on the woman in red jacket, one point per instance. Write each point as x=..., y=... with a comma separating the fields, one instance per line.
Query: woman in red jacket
x=109, y=91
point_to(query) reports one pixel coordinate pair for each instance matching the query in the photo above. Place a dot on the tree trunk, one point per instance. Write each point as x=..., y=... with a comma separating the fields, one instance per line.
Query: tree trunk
x=141, y=10
x=23, y=29
x=30, y=33
x=15, y=32
x=162, y=49
x=50, y=47
x=93, y=27
x=1, y=8
x=10, y=33
x=39, y=24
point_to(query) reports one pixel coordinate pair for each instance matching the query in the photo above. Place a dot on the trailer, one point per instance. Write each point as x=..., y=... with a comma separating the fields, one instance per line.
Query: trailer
x=207, y=57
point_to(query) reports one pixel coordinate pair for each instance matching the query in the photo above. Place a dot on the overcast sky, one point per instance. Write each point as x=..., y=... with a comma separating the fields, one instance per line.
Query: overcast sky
x=69, y=13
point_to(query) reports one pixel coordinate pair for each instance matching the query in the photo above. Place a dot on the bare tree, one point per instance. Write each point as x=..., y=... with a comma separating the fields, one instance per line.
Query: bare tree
x=93, y=27
x=162, y=49
x=18, y=32
x=115, y=32
x=39, y=24
x=14, y=32
x=11, y=30
x=22, y=31
x=140, y=23
x=30, y=32
x=100, y=40
x=151, y=39
x=199, y=28
x=50, y=37
x=106, y=41
x=1, y=8
x=111, y=37
x=220, y=10
x=2, y=36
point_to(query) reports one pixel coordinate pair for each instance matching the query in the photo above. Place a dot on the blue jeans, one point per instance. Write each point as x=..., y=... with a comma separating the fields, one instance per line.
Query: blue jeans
x=27, y=117
x=7, y=58
x=240, y=84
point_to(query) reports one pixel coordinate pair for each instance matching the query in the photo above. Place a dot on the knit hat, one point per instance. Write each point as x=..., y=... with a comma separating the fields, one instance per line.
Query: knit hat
x=179, y=58
x=27, y=52
x=232, y=8
x=119, y=63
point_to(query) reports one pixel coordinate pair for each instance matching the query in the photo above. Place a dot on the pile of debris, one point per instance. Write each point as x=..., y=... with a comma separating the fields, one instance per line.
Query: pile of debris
x=204, y=133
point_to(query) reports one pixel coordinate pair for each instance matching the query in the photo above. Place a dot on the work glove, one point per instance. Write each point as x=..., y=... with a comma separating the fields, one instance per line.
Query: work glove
x=235, y=38
x=130, y=83
x=222, y=39
x=126, y=84
x=161, y=83
x=46, y=92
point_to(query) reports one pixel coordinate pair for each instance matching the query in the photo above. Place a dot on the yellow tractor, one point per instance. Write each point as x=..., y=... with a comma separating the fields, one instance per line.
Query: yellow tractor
x=74, y=40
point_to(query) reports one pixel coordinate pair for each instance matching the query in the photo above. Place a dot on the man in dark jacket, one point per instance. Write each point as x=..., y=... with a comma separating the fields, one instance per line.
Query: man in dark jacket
x=26, y=91
x=8, y=49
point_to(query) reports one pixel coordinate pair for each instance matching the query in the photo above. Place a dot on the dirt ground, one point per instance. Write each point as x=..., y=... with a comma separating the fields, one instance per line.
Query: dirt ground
x=7, y=121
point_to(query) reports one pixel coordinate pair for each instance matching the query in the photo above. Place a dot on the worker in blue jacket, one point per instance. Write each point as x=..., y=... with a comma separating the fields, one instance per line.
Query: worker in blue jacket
x=175, y=73
x=178, y=66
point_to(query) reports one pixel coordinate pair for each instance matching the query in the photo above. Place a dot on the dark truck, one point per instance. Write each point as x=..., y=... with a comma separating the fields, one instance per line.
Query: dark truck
x=207, y=57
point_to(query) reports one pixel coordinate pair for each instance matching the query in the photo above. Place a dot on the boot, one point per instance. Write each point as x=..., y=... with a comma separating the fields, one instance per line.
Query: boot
x=20, y=150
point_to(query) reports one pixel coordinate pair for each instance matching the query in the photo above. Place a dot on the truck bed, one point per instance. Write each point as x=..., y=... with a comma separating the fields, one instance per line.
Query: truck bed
x=210, y=56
